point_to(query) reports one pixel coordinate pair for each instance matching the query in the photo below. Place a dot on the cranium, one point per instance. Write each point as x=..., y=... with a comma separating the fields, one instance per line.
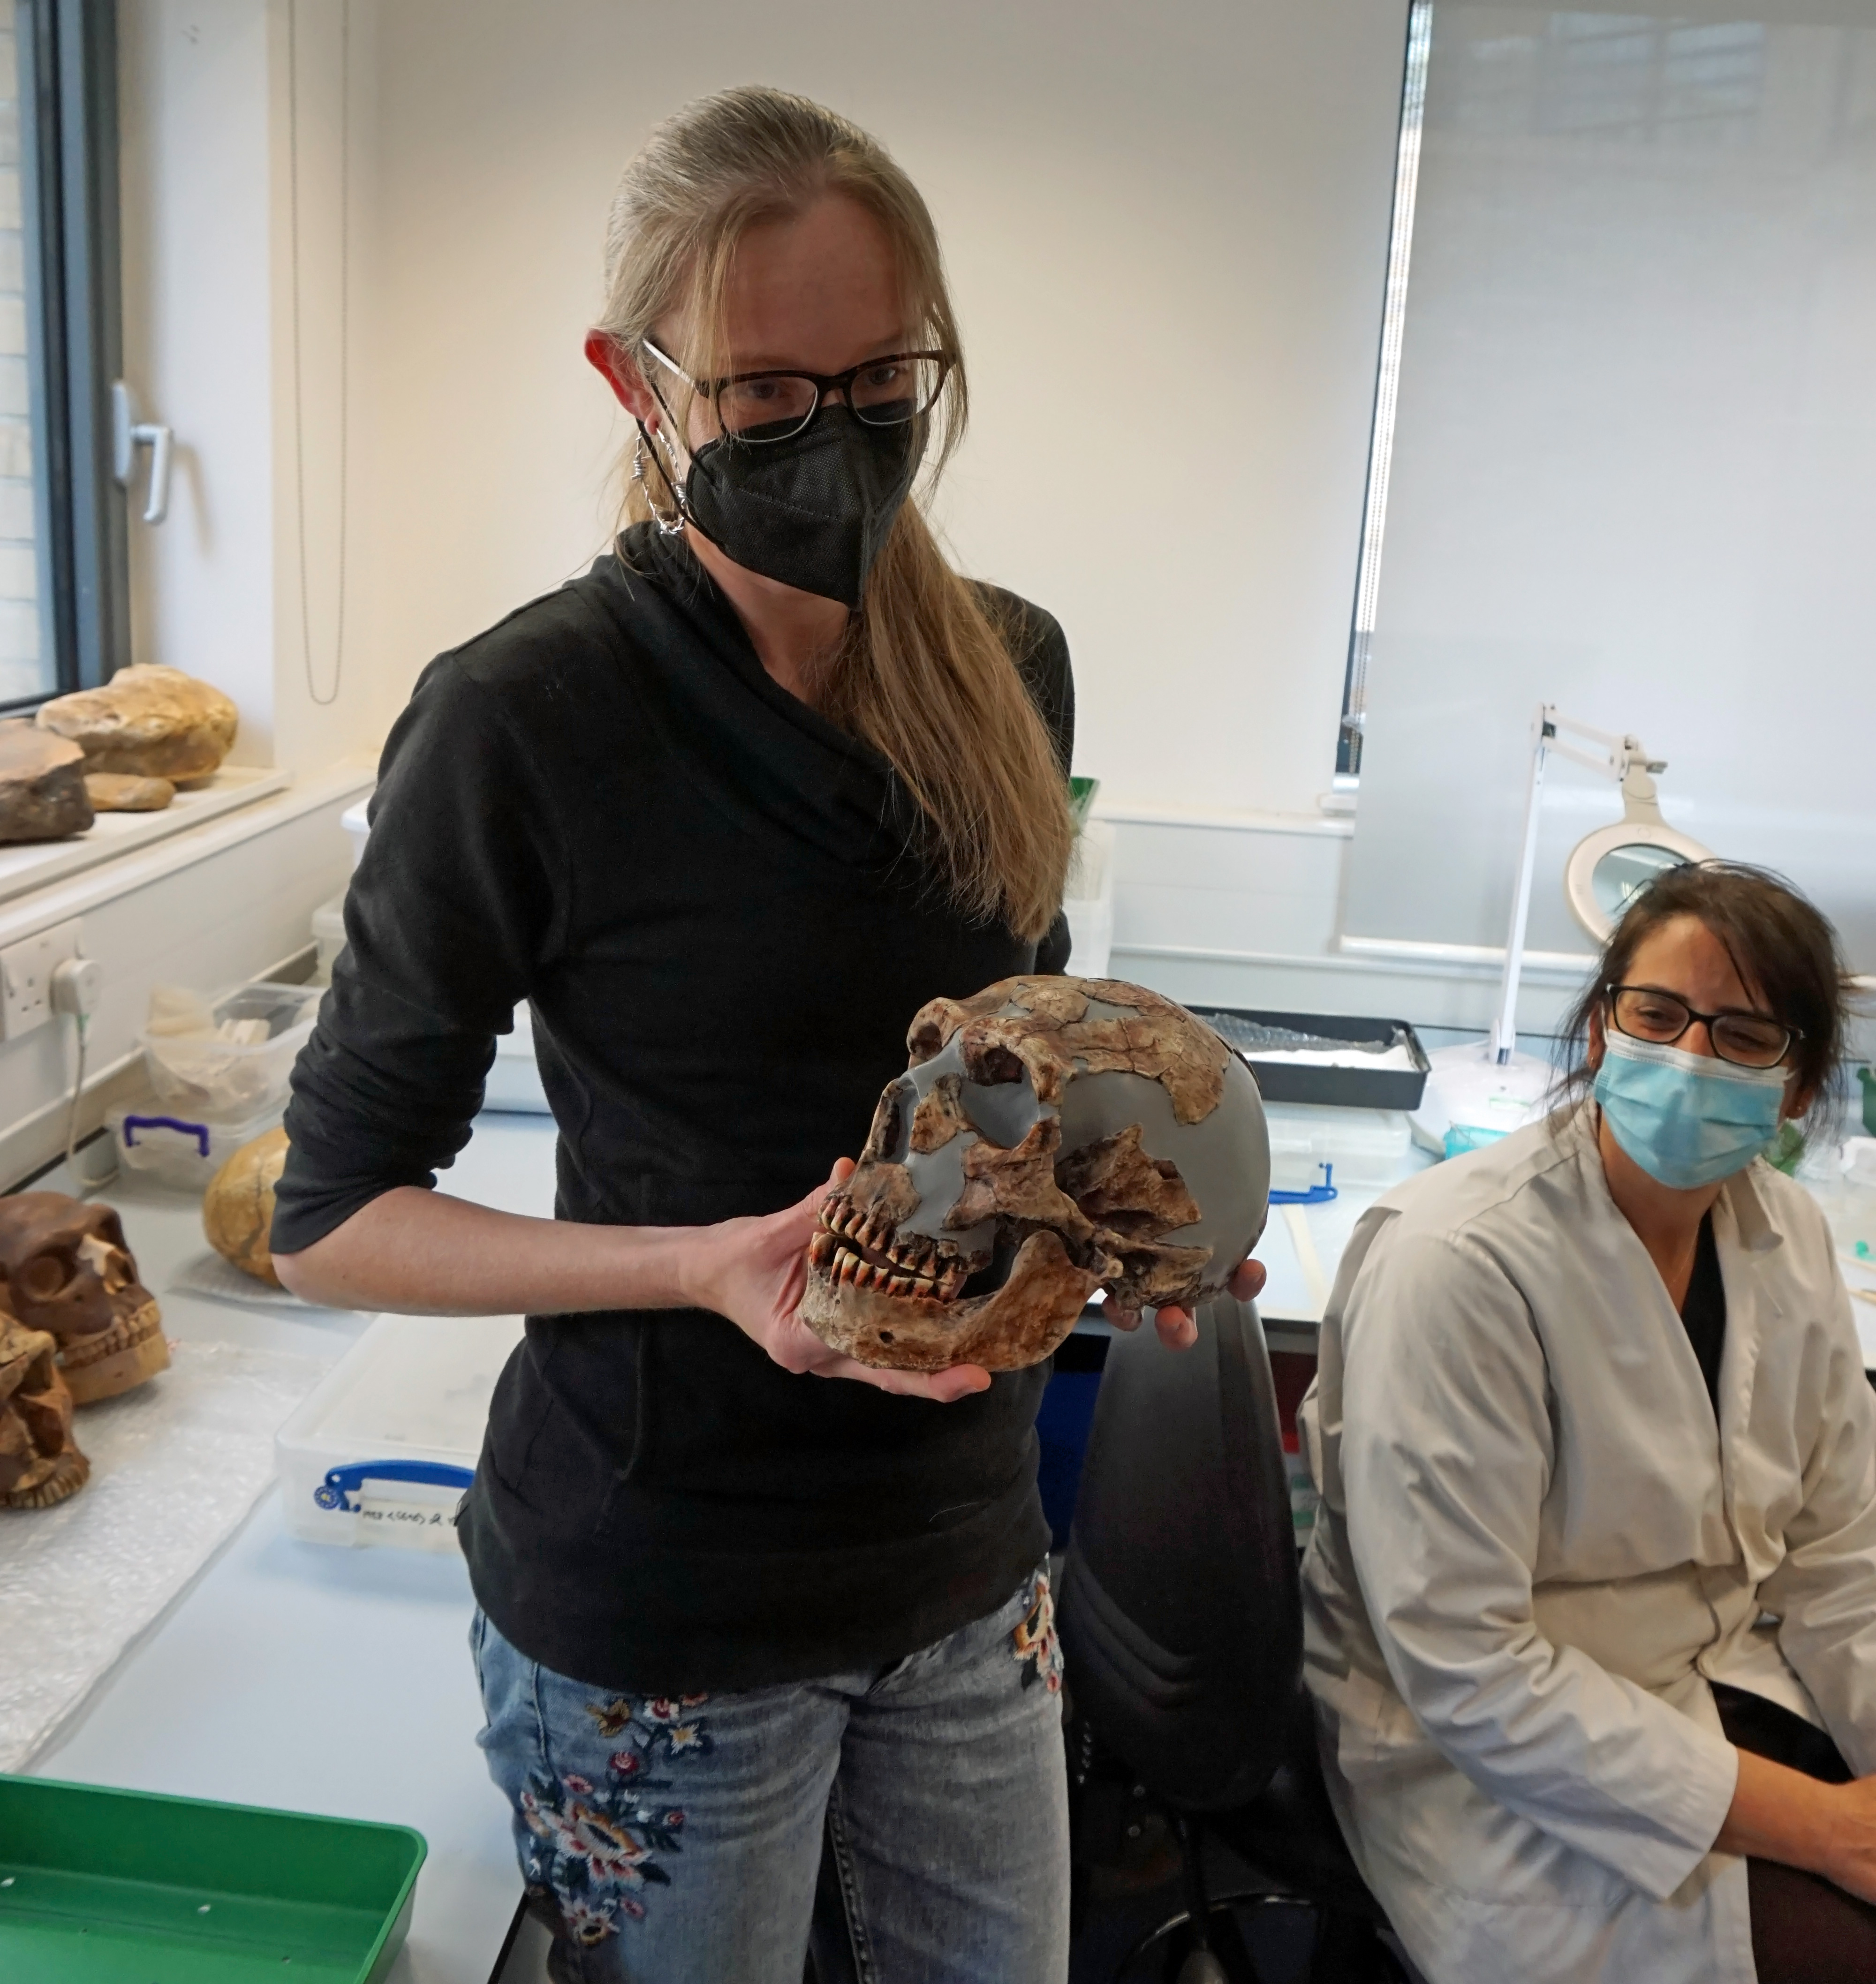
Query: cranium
x=1050, y=1136
x=38, y=1463
x=69, y=1272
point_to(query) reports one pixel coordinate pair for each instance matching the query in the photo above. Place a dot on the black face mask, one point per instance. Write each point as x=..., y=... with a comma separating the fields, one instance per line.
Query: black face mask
x=811, y=511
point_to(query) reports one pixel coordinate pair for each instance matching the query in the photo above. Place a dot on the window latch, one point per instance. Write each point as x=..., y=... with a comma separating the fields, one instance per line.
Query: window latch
x=128, y=434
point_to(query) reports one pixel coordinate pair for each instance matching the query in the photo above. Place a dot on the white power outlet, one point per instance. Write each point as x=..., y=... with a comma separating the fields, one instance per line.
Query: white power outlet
x=26, y=970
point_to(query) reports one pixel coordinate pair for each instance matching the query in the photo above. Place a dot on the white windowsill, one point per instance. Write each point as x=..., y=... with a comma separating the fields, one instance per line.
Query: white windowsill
x=31, y=864
x=252, y=802
x=1230, y=819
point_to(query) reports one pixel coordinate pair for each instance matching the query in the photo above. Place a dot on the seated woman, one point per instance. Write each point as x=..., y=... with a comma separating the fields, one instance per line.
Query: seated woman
x=1591, y=1604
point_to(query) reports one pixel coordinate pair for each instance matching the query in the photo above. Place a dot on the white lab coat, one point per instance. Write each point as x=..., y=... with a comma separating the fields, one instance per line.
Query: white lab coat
x=1535, y=1548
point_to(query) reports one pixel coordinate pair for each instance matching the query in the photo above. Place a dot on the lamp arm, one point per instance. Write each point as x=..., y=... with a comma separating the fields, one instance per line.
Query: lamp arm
x=1505, y=1028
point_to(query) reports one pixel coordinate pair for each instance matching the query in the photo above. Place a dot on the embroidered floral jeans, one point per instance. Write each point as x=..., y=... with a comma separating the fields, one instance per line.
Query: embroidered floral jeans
x=678, y=1840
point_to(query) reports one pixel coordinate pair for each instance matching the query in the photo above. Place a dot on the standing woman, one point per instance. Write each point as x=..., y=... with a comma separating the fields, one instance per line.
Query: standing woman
x=726, y=811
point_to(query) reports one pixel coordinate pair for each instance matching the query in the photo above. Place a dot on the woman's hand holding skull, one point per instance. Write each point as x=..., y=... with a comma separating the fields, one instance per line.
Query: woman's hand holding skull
x=754, y=1272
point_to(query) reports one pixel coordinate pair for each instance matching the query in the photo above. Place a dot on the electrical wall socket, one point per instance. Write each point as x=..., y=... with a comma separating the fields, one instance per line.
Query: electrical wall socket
x=26, y=970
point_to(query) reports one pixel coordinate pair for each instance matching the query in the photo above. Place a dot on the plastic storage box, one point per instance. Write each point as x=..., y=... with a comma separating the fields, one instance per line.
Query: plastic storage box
x=1361, y=1149
x=181, y=1147
x=382, y=1452
x=228, y=1078
x=111, y=1887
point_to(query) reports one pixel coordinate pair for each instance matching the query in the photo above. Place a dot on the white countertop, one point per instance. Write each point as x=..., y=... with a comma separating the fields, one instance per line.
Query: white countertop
x=296, y=1675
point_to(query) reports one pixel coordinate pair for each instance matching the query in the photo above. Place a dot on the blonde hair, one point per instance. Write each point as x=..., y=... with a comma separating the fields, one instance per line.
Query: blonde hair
x=924, y=674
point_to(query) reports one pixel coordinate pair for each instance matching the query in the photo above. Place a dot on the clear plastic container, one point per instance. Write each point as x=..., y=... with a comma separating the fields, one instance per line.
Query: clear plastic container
x=178, y=1147
x=382, y=1452
x=242, y=1065
x=1364, y=1147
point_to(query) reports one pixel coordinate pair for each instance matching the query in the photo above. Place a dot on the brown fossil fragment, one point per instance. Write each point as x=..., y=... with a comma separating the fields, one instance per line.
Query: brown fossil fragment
x=40, y=1462
x=42, y=795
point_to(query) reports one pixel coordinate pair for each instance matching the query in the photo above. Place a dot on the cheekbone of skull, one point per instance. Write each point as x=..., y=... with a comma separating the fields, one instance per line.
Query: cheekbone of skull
x=1070, y=1134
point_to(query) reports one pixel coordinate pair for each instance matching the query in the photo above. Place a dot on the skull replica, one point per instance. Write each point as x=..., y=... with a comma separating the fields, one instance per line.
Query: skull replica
x=1050, y=1137
x=39, y=1464
x=69, y=1270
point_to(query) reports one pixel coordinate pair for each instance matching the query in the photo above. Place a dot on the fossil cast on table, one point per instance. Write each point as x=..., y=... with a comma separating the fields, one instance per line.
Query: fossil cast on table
x=1051, y=1136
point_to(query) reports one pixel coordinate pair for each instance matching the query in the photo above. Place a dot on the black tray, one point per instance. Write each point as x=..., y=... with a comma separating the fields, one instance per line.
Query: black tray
x=1347, y=1087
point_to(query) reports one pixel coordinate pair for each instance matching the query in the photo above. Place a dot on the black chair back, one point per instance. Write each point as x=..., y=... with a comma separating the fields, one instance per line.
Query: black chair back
x=1180, y=1612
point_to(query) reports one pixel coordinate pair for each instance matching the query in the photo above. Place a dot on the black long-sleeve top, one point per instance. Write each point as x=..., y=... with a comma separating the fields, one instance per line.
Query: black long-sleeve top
x=717, y=904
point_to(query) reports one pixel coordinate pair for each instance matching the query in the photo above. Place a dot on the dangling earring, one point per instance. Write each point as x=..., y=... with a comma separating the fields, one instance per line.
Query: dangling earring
x=670, y=524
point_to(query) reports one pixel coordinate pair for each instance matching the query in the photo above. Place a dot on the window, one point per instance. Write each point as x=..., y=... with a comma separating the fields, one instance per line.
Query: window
x=1380, y=444
x=63, y=615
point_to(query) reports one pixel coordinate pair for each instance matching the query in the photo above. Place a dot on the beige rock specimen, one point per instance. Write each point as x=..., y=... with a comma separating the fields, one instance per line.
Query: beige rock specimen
x=147, y=722
x=117, y=791
x=237, y=1209
x=42, y=795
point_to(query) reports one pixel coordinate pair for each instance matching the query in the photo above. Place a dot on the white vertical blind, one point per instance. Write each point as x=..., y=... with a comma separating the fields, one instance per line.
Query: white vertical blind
x=1635, y=457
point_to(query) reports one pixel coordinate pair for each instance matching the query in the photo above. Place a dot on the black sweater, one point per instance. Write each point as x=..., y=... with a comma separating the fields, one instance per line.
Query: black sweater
x=716, y=904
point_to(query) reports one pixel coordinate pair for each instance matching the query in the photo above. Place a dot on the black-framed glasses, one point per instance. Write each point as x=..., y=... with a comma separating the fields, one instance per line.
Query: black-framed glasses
x=759, y=407
x=1748, y=1040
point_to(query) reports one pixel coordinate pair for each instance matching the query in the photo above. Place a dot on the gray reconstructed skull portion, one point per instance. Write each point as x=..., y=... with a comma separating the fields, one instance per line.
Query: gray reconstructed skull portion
x=1051, y=1136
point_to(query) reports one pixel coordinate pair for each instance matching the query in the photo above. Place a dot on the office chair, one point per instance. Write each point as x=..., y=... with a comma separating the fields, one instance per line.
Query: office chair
x=1181, y=1622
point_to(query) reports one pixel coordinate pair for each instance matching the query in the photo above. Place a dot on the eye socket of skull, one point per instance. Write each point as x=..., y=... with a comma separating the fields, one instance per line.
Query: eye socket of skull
x=48, y=1275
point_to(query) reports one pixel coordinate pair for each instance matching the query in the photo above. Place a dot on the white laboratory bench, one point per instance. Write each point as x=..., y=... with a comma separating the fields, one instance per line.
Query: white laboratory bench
x=296, y=1675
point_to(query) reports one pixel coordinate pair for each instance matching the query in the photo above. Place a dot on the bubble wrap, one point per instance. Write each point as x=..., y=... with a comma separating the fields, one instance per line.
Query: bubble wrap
x=175, y=1466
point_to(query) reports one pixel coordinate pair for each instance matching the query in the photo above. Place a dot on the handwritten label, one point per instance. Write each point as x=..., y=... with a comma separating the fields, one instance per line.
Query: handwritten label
x=407, y=1515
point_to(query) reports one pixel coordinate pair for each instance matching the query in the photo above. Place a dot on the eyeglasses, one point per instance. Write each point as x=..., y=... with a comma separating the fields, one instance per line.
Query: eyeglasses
x=759, y=407
x=1748, y=1040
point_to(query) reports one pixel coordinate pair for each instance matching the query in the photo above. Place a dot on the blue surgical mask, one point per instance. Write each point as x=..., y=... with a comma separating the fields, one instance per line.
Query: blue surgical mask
x=1686, y=1119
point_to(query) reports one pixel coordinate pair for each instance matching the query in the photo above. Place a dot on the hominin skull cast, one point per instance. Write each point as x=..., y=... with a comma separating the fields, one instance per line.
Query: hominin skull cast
x=68, y=1272
x=38, y=1463
x=1050, y=1136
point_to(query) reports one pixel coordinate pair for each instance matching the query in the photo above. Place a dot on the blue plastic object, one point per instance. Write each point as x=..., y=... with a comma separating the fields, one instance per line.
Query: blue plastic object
x=1318, y=1195
x=342, y=1483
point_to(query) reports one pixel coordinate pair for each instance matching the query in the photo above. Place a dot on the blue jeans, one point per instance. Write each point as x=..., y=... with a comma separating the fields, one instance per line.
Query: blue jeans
x=677, y=1841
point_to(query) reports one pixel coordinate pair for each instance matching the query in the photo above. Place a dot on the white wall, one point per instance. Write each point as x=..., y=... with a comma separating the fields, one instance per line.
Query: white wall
x=215, y=220
x=1167, y=230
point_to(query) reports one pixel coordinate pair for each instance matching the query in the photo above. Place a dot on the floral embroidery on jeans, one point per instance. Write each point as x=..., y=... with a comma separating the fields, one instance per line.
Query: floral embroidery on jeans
x=1033, y=1642
x=600, y=1843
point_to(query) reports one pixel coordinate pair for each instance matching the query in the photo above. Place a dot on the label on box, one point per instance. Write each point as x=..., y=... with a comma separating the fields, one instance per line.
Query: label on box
x=407, y=1515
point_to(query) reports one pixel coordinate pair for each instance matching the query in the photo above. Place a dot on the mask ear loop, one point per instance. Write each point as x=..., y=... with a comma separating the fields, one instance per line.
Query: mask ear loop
x=670, y=523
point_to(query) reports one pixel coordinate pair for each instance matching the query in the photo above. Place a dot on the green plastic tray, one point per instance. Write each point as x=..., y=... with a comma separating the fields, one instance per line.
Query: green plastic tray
x=110, y=1887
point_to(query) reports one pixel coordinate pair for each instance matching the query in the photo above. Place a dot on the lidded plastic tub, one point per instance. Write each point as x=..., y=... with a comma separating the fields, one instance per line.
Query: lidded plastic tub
x=383, y=1451
x=182, y=1146
x=239, y=1061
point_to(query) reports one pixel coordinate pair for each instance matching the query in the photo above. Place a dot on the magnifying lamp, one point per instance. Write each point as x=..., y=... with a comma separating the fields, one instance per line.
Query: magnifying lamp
x=1476, y=1093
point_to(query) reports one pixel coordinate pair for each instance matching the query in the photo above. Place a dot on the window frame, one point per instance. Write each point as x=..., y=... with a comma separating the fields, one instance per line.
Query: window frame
x=1350, y=732
x=67, y=55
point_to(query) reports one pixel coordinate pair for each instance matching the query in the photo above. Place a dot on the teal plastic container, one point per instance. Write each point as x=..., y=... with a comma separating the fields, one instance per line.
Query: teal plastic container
x=111, y=1887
